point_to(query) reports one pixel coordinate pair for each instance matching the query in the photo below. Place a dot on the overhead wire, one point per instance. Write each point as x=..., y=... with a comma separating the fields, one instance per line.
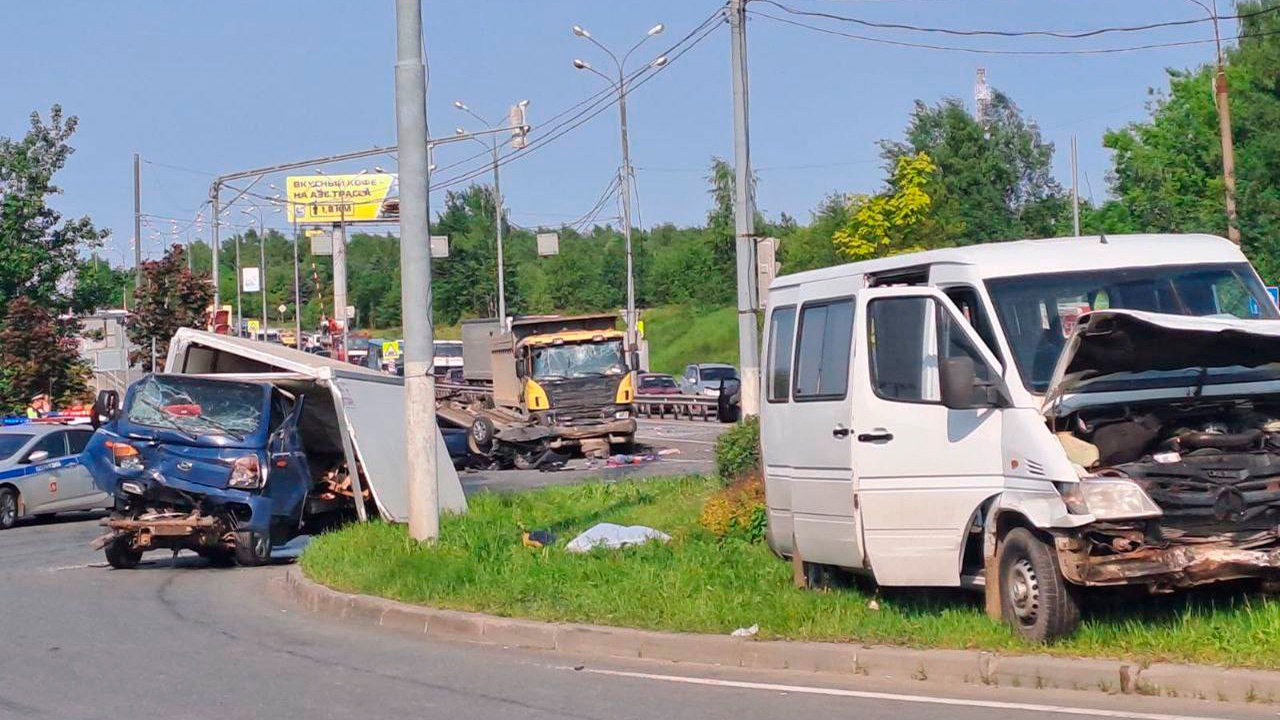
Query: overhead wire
x=1066, y=35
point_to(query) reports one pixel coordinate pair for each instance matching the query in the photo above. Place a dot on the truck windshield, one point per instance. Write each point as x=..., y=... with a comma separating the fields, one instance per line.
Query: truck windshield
x=195, y=406
x=555, y=362
x=1039, y=312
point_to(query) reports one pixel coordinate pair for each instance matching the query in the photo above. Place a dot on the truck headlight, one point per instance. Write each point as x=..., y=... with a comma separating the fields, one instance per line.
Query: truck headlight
x=622, y=415
x=246, y=473
x=1108, y=498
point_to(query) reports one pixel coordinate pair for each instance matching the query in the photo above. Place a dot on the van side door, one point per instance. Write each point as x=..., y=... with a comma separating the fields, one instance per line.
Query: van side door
x=814, y=444
x=923, y=469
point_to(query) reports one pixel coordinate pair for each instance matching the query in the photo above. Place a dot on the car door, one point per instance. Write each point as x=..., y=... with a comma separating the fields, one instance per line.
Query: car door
x=75, y=483
x=40, y=486
x=923, y=469
x=288, y=475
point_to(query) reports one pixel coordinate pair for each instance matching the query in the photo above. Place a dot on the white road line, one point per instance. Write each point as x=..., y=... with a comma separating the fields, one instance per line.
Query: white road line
x=894, y=697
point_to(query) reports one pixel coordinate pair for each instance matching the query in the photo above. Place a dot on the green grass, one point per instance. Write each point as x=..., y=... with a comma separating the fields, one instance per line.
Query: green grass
x=679, y=335
x=699, y=584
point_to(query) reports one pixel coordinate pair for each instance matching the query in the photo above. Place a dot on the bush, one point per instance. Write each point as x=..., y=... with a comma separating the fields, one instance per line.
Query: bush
x=737, y=510
x=738, y=450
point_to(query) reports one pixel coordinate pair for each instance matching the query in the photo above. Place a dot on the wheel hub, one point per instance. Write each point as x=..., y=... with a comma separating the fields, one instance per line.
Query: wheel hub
x=8, y=509
x=1024, y=592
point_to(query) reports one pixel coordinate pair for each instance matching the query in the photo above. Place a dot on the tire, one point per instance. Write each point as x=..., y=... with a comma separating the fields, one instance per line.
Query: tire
x=120, y=555
x=1035, y=599
x=480, y=436
x=8, y=508
x=252, y=549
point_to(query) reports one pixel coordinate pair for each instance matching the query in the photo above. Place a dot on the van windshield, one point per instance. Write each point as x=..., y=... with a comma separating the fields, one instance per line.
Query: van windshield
x=195, y=406
x=1039, y=312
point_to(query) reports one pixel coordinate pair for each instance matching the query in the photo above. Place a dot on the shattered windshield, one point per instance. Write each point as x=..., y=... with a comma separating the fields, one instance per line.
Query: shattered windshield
x=1039, y=312
x=194, y=406
x=558, y=362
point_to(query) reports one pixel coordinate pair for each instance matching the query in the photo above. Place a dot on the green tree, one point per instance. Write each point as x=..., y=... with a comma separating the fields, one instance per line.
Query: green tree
x=98, y=285
x=39, y=247
x=39, y=353
x=895, y=221
x=994, y=175
x=171, y=297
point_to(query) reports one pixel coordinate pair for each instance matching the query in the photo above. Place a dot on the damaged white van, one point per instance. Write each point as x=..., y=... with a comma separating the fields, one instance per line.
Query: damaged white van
x=1029, y=418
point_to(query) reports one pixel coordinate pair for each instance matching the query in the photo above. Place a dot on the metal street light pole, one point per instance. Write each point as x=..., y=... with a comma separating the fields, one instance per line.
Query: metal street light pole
x=415, y=263
x=262, y=262
x=621, y=86
x=497, y=201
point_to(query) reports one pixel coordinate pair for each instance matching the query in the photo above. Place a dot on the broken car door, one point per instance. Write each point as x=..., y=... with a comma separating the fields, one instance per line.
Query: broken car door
x=923, y=468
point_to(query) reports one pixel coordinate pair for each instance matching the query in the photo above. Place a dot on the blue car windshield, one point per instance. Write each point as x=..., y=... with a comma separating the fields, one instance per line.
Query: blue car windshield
x=11, y=443
x=195, y=406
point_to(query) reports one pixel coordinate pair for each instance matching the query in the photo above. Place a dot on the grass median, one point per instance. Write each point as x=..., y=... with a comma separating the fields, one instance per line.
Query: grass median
x=699, y=583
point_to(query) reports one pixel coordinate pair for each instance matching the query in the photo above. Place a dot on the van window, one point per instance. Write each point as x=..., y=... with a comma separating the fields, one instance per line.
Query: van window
x=966, y=300
x=824, y=347
x=907, y=337
x=782, y=328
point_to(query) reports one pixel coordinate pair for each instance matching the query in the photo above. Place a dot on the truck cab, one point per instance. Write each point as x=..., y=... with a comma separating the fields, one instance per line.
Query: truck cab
x=1028, y=419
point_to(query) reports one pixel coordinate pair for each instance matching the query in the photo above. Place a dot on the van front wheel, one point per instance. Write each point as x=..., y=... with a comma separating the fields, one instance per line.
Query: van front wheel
x=1035, y=599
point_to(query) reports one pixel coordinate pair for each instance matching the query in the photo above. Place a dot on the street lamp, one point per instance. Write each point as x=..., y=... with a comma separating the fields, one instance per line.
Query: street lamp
x=620, y=85
x=497, y=197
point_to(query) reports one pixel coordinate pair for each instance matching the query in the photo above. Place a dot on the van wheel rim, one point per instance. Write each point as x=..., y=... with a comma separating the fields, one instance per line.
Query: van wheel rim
x=1024, y=592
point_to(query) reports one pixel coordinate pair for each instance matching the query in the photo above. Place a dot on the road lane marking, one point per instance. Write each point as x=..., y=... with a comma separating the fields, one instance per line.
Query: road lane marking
x=896, y=697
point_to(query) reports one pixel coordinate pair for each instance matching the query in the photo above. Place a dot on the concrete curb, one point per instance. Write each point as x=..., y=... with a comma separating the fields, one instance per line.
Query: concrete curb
x=948, y=666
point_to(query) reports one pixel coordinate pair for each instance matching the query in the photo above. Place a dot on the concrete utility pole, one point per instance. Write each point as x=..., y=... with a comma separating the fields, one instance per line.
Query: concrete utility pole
x=137, y=219
x=340, y=274
x=415, y=270
x=1223, y=102
x=621, y=86
x=1075, y=187
x=744, y=212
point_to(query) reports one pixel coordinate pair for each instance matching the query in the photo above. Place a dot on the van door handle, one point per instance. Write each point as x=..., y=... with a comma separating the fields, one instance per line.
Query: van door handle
x=877, y=436
x=840, y=432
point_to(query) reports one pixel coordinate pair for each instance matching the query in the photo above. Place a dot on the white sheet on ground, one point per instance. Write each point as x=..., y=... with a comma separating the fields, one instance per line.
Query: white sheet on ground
x=610, y=535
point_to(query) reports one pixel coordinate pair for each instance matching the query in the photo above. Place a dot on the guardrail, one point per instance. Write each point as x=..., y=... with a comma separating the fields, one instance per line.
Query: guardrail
x=687, y=407
x=676, y=407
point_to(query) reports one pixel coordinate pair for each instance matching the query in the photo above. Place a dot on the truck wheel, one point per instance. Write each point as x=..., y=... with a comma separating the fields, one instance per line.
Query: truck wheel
x=252, y=549
x=121, y=555
x=8, y=508
x=480, y=436
x=1035, y=599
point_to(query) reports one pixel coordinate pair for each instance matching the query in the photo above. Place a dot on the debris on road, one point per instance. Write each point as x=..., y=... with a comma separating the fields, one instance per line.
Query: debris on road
x=746, y=631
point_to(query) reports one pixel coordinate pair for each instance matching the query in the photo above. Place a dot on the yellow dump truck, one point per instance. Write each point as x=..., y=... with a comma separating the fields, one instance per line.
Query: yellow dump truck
x=545, y=383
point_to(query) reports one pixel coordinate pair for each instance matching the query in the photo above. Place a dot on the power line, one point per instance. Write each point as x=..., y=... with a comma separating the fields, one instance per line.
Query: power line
x=989, y=51
x=1013, y=33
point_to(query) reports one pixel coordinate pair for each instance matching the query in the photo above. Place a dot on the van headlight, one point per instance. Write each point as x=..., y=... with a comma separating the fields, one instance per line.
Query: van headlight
x=1108, y=498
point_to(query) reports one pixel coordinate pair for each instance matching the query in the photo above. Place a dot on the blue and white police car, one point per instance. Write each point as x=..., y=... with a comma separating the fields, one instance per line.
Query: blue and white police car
x=41, y=473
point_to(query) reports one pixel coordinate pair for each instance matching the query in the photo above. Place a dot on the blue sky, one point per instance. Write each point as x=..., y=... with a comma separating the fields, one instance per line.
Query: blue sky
x=216, y=87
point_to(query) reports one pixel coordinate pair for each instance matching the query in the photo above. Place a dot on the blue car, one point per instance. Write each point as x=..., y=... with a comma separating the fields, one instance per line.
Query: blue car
x=214, y=466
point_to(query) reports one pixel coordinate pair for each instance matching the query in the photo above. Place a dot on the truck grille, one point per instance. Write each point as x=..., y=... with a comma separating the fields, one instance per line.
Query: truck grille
x=1239, y=489
x=579, y=399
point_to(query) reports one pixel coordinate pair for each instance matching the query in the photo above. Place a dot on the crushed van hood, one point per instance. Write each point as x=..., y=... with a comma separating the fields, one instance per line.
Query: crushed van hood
x=1131, y=341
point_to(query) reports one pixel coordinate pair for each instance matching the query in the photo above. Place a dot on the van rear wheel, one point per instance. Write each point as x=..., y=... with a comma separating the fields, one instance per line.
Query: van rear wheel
x=1035, y=599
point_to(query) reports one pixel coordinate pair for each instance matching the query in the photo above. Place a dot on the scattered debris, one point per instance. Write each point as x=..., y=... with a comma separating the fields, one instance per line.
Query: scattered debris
x=611, y=536
x=669, y=451
x=622, y=459
x=537, y=538
x=873, y=605
x=746, y=631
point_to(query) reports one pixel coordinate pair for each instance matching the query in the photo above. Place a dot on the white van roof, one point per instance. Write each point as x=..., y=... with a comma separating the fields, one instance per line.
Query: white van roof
x=1028, y=257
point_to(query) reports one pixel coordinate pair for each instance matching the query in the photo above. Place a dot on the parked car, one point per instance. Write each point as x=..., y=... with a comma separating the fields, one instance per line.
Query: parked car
x=656, y=384
x=1027, y=419
x=42, y=473
x=705, y=378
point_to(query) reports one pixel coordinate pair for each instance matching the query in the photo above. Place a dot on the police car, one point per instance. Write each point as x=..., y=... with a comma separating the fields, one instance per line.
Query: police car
x=41, y=472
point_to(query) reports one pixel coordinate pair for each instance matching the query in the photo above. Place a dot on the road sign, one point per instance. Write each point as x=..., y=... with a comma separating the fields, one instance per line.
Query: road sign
x=439, y=246
x=1274, y=292
x=254, y=326
x=321, y=242
x=251, y=280
x=351, y=312
x=548, y=244
x=281, y=308
x=766, y=268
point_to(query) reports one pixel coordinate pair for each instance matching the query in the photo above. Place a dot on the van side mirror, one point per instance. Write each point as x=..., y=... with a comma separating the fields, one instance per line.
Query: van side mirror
x=105, y=408
x=961, y=389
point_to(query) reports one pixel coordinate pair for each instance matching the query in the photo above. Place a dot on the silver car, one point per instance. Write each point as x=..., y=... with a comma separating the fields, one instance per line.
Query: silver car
x=704, y=378
x=41, y=472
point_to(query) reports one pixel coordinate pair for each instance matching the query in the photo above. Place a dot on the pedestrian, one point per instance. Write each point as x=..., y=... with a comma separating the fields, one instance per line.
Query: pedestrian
x=41, y=405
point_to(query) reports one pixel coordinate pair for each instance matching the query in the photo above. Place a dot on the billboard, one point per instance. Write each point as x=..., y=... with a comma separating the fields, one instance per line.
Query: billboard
x=343, y=198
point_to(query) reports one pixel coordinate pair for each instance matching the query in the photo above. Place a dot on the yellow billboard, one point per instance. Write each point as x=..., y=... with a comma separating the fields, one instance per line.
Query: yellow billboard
x=343, y=198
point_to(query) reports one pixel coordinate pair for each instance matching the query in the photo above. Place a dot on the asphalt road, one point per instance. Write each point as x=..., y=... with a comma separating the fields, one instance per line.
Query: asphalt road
x=79, y=640
x=693, y=441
